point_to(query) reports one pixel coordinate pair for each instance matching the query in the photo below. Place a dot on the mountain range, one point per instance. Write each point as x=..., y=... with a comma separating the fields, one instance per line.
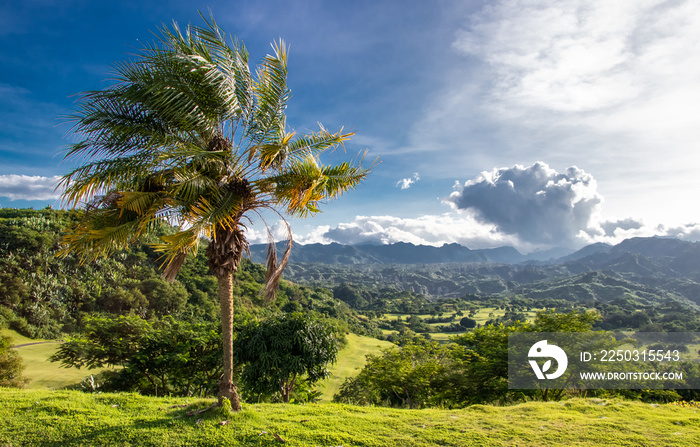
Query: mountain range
x=648, y=269
x=398, y=253
x=407, y=253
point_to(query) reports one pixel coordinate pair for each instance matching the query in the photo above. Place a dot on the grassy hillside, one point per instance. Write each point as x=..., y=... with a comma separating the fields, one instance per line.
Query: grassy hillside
x=44, y=418
x=350, y=360
x=43, y=374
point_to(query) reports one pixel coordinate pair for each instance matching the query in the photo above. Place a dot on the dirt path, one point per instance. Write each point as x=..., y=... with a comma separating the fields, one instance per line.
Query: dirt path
x=36, y=343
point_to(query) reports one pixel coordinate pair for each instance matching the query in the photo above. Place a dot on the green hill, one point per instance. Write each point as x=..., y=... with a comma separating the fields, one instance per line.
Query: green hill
x=350, y=360
x=41, y=373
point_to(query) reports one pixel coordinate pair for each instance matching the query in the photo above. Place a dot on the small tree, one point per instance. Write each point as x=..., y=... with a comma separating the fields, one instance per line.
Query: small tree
x=400, y=377
x=468, y=323
x=279, y=351
x=10, y=365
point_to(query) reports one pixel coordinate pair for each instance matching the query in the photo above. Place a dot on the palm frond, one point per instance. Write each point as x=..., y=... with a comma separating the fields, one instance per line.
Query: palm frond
x=304, y=183
x=224, y=209
x=315, y=143
x=271, y=91
x=175, y=248
x=92, y=178
x=341, y=178
x=275, y=266
x=102, y=232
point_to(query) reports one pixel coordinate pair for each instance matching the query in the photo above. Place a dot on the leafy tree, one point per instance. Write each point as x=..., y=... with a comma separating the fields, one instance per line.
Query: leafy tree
x=155, y=357
x=10, y=365
x=468, y=323
x=283, y=350
x=573, y=321
x=401, y=376
x=350, y=295
x=188, y=133
x=485, y=359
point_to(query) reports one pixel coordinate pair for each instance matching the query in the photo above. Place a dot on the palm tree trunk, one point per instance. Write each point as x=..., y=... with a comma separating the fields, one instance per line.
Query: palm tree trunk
x=227, y=389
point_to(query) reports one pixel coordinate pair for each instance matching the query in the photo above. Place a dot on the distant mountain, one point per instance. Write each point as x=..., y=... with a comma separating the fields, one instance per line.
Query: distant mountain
x=654, y=247
x=586, y=251
x=643, y=256
x=590, y=257
x=650, y=269
x=398, y=253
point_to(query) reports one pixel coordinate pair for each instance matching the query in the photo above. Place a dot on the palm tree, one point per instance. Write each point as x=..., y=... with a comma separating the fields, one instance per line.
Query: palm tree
x=188, y=135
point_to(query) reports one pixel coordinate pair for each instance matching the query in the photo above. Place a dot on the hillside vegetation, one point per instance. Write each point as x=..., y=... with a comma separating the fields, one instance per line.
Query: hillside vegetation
x=45, y=296
x=41, y=418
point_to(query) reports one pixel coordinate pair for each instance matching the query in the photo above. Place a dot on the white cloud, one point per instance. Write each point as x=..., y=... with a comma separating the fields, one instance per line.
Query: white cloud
x=26, y=187
x=535, y=203
x=406, y=183
x=279, y=231
x=561, y=56
x=584, y=55
x=435, y=230
x=609, y=85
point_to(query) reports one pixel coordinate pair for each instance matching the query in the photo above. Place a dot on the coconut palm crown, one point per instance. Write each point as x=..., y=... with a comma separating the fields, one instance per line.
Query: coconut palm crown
x=186, y=133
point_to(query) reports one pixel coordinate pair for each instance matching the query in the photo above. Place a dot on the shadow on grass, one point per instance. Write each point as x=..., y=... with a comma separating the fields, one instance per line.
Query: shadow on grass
x=188, y=426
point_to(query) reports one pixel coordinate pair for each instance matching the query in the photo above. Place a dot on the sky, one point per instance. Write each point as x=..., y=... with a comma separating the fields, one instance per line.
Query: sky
x=530, y=123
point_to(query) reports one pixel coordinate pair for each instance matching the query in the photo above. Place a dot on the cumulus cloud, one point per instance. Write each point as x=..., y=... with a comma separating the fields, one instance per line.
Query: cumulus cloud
x=689, y=232
x=527, y=207
x=258, y=233
x=406, y=183
x=535, y=203
x=611, y=227
x=26, y=187
x=466, y=230
x=435, y=230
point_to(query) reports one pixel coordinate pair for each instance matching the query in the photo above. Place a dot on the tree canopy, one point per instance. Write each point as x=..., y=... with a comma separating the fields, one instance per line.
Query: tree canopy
x=279, y=352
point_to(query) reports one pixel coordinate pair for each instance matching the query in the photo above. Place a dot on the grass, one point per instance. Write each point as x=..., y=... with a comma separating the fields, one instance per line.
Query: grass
x=17, y=338
x=68, y=418
x=40, y=417
x=350, y=360
x=41, y=373
x=443, y=337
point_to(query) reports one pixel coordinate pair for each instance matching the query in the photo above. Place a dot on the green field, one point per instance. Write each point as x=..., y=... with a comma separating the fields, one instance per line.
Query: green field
x=39, y=416
x=350, y=360
x=41, y=373
x=482, y=316
x=69, y=418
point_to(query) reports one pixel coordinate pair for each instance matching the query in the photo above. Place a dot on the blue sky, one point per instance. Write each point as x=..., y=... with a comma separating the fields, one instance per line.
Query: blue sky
x=535, y=123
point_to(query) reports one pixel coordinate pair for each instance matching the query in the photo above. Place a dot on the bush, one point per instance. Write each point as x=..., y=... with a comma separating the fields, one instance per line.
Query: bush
x=10, y=365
